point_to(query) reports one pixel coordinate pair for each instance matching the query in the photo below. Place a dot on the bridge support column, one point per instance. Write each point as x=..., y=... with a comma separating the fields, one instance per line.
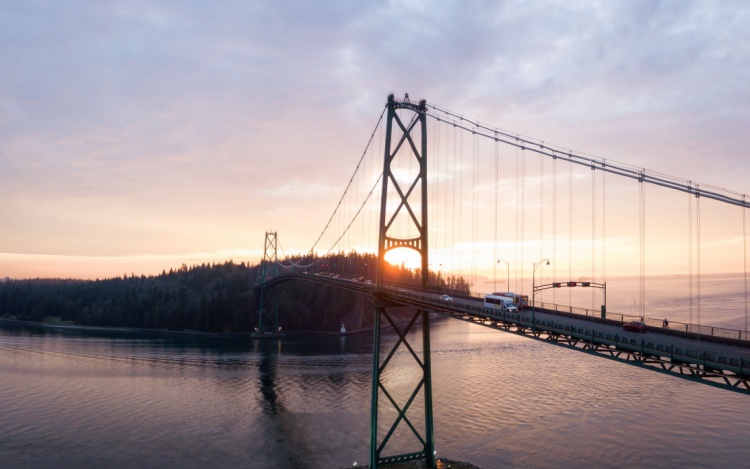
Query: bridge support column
x=409, y=207
x=268, y=318
x=424, y=440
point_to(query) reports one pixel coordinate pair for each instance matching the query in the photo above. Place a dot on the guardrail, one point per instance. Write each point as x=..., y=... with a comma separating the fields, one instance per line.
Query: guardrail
x=700, y=355
x=712, y=331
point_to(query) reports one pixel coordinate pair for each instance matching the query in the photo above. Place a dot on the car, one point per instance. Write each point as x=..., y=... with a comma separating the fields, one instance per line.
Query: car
x=368, y=282
x=635, y=326
x=446, y=298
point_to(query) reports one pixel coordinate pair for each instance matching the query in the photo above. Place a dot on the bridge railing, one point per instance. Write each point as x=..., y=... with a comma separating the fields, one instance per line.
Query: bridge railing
x=653, y=322
x=623, y=317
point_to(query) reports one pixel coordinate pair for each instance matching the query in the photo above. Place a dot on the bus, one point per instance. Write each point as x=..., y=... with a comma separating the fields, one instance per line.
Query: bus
x=503, y=303
x=521, y=301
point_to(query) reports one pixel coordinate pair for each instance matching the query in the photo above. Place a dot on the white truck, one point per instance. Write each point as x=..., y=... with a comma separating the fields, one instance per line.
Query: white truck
x=503, y=303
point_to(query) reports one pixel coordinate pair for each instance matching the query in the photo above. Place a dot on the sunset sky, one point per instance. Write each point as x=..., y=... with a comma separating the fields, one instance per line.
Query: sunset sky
x=139, y=135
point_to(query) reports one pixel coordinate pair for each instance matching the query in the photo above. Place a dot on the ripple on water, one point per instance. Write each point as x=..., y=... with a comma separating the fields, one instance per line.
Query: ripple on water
x=500, y=401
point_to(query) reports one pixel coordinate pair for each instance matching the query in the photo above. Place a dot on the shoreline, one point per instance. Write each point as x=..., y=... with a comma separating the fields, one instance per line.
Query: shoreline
x=73, y=326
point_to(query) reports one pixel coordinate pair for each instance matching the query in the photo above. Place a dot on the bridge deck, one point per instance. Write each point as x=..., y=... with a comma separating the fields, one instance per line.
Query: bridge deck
x=723, y=362
x=712, y=360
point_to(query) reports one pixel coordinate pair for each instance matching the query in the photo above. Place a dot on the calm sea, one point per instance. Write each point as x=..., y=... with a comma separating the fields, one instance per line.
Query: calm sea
x=86, y=398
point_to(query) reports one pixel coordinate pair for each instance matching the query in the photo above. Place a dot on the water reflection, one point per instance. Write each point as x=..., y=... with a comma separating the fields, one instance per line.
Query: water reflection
x=269, y=351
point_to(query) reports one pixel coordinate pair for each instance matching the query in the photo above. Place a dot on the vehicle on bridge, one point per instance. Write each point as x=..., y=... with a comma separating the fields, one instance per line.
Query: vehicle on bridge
x=503, y=303
x=635, y=326
x=520, y=301
x=446, y=298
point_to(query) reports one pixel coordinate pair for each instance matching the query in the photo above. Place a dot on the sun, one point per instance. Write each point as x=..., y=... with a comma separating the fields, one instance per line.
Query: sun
x=404, y=256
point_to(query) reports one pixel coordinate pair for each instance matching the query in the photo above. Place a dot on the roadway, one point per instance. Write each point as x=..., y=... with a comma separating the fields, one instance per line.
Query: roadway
x=711, y=360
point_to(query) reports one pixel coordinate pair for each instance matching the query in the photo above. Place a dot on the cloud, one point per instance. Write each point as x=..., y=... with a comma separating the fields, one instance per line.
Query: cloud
x=178, y=123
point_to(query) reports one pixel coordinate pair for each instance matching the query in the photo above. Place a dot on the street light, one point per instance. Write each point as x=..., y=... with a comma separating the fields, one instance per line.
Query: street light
x=507, y=264
x=533, y=291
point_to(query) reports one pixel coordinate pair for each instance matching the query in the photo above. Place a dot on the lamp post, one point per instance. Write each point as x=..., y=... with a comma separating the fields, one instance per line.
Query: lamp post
x=507, y=264
x=533, y=291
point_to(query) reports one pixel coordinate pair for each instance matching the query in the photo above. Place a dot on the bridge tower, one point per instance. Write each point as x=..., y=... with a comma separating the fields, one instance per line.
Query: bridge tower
x=410, y=211
x=268, y=319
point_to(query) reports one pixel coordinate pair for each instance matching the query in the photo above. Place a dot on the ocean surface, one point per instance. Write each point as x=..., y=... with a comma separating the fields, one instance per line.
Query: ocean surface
x=98, y=398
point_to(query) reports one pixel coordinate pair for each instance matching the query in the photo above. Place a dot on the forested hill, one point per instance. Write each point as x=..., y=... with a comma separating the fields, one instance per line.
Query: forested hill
x=207, y=298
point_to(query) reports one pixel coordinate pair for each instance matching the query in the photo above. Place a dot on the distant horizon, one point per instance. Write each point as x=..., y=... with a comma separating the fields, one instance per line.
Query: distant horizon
x=482, y=280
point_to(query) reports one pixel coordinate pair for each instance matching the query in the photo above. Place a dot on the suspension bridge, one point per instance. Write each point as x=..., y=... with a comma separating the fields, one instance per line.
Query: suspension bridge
x=550, y=227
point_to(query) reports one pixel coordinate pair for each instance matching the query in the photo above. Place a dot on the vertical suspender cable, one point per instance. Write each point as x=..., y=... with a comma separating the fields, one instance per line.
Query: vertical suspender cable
x=456, y=197
x=604, y=228
x=494, y=244
x=698, y=256
x=744, y=258
x=433, y=207
x=447, y=221
x=593, y=230
x=642, y=224
x=472, y=279
x=690, y=253
x=570, y=231
x=474, y=208
x=355, y=202
x=461, y=191
x=518, y=218
x=554, y=224
x=523, y=213
x=541, y=214
x=477, y=218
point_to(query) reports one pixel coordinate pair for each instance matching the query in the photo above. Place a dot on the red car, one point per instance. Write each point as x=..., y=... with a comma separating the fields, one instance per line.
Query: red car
x=635, y=326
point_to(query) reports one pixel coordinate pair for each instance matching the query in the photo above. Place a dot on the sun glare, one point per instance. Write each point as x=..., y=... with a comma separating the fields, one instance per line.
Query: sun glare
x=404, y=256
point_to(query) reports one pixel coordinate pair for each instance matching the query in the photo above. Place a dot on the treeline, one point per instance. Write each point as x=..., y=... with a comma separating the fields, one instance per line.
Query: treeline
x=364, y=265
x=208, y=297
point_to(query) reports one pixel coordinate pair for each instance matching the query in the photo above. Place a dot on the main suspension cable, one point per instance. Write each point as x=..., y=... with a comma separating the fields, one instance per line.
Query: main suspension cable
x=369, y=142
x=622, y=169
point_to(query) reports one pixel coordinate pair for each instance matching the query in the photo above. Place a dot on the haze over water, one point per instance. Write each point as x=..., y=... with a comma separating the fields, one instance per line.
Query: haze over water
x=720, y=302
x=83, y=398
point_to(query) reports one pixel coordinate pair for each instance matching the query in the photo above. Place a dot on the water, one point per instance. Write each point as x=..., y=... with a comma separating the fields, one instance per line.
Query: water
x=73, y=398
